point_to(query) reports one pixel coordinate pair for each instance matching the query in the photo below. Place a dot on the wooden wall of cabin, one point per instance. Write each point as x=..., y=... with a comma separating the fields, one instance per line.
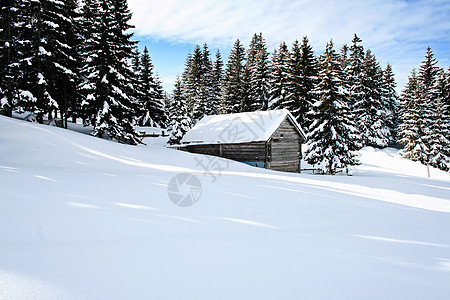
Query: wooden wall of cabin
x=244, y=152
x=285, y=148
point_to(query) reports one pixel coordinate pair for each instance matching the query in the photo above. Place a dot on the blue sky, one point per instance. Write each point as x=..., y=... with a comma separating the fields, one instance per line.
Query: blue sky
x=397, y=32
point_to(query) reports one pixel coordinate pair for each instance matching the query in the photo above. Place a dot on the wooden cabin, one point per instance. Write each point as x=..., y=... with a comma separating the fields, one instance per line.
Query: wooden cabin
x=267, y=139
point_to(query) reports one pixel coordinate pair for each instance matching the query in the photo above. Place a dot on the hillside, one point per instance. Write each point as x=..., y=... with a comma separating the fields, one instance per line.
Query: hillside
x=85, y=218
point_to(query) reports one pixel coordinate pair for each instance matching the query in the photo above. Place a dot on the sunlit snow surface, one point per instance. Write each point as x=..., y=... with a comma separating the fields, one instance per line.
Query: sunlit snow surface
x=84, y=218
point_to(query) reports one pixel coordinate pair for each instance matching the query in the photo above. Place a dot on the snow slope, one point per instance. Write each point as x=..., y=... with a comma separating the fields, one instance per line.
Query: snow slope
x=84, y=218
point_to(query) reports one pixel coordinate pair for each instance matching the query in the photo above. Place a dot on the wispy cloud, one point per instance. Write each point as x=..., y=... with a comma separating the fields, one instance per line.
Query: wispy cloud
x=397, y=31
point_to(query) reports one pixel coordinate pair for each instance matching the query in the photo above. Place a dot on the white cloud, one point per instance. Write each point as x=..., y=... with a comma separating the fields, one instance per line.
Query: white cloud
x=397, y=31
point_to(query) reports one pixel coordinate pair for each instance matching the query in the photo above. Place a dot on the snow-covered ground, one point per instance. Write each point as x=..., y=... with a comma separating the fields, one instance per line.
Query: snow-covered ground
x=84, y=218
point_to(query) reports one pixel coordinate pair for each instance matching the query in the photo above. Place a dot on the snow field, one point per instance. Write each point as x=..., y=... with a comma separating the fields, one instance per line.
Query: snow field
x=84, y=218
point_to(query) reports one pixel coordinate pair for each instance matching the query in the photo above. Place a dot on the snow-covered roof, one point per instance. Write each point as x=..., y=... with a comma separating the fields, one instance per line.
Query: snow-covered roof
x=238, y=128
x=28, y=116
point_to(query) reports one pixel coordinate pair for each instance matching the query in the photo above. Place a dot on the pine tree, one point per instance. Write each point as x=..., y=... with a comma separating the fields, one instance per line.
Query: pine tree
x=42, y=38
x=303, y=72
x=258, y=70
x=234, y=85
x=421, y=117
x=413, y=129
x=192, y=83
x=332, y=137
x=308, y=80
x=372, y=114
x=180, y=122
x=11, y=33
x=343, y=57
x=150, y=92
x=108, y=87
x=292, y=102
x=355, y=77
x=279, y=77
x=390, y=103
x=67, y=60
x=217, y=78
x=439, y=131
x=428, y=72
x=208, y=100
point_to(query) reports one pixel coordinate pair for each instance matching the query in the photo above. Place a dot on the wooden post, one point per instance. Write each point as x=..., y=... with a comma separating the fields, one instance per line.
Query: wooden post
x=428, y=171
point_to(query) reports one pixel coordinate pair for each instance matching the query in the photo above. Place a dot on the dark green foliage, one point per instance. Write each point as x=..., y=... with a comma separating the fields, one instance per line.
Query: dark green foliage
x=279, y=79
x=234, y=81
x=149, y=93
x=217, y=79
x=332, y=137
x=108, y=88
x=257, y=75
x=199, y=86
x=180, y=122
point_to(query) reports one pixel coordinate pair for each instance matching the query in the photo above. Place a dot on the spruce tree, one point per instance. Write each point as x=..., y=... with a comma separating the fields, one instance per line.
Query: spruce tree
x=217, y=78
x=390, y=103
x=41, y=35
x=302, y=78
x=180, y=122
x=332, y=137
x=108, y=86
x=67, y=60
x=372, y=113
x=355, y=77
x=307, y=81
x=150, y=93
x=192, y=83
x=292, y=102
x=11, y=35
x=343, y=57
x=208, y=100
x=421, y=114
x=279, y=78
x=258, y=70
x=413, y=130
x=439, y=130
x=234, y=85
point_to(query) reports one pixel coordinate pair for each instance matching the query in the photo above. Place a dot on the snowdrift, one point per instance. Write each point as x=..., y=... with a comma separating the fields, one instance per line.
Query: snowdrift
x=84, y=218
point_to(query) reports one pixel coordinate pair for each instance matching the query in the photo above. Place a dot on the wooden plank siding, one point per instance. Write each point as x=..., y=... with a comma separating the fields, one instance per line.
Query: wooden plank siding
x=285, y=146
x=244, y=152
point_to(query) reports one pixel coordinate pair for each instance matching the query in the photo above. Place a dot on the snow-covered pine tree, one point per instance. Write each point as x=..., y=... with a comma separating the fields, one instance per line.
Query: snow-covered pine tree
x=67, y=61
x=439, y=130
x=180, y=122
x=308, y=80
x=258, y=70
x=355, y=77
x=420, y=111
x=234, y=85
x=413, y=128
x=390, y=103
x=332, y=137
x=11, y=34
x=192, y=83
x=343, y=57
x=303, y=71
x=208, y=100
x=279, y=77
x=428, y=72
x=108, y=82
x=150, y=94
x=293, y=90
x=162, y=115
x=217, y=78
x=41, y=36
x=372, y=113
